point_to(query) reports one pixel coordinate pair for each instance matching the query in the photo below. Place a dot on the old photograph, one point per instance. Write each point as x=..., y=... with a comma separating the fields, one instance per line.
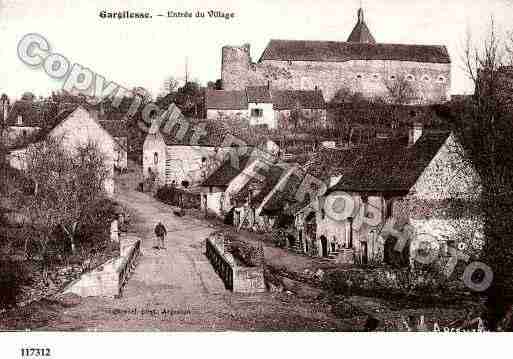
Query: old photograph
x=272, y=166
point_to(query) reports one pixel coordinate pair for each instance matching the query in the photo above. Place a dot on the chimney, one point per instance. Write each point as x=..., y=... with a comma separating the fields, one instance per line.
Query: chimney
x=414, y=133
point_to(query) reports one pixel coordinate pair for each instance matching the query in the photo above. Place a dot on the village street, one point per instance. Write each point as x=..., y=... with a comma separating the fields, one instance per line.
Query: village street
x=177, y=288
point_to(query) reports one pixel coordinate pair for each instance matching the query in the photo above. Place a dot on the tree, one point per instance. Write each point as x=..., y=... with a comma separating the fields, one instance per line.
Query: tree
x=485, y=128
x=28, y=96
x=170, y=85
x=66, y=185
x=190, y=100
x=4, y=107
x=400, y=90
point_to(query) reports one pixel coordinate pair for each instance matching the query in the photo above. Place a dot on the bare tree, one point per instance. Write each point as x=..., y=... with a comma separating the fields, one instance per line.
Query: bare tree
x=66, y=186
x=400, y=90
x=485, y=128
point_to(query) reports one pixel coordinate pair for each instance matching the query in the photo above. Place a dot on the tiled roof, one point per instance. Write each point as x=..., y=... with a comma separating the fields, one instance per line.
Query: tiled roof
x=288, y=195
x=226, y=173
x=214, y=134
x=335, y=51
x=116, y=128
x=258, y=189
x=258, y=94
x=390, y=167
x=226, y=100
x=289, y=99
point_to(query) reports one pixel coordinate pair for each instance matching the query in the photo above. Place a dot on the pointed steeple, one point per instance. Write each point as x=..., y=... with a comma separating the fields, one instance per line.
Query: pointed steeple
x=361, y=32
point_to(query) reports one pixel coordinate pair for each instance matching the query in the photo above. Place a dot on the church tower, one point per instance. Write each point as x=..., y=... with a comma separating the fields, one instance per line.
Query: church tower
x=361, y=32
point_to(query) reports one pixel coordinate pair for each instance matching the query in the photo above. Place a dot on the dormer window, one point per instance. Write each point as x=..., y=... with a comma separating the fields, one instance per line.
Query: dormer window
x=425, y=78
x=375, y=76
x=19, y=120
x=410, y=78
x=392, y=77
x=441, y=79
x=359, y=76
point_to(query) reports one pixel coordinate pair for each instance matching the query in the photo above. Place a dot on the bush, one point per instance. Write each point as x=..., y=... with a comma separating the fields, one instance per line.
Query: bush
x=249, y=255
x=12, y=277
x=178, y=197
x=383, y=282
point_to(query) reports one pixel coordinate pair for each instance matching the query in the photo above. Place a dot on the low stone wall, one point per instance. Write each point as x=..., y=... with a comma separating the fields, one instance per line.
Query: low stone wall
x=109, y=279
x=236, y=277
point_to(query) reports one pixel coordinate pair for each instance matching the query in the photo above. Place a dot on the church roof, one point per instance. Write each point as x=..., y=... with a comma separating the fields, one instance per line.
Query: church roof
x=337, y=51
x=361, y=32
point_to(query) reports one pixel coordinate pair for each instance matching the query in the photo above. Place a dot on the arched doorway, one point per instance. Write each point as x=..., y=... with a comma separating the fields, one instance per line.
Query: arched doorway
x=324, y=246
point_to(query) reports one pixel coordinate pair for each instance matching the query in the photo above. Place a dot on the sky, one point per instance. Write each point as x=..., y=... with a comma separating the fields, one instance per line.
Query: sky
x=144, y=52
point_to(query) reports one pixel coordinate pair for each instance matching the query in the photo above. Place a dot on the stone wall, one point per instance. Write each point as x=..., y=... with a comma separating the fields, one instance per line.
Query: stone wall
x=236, y=277
x=108, y=279
x=154, y=158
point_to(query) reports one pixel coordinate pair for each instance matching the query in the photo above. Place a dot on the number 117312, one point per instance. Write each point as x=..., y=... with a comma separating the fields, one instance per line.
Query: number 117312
x=35, y=352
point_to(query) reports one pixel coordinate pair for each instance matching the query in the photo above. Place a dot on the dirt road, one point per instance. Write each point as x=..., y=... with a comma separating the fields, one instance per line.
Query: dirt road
x=177, y=289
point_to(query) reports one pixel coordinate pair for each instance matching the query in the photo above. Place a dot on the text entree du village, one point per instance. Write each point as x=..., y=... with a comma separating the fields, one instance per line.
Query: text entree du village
x=104, y=14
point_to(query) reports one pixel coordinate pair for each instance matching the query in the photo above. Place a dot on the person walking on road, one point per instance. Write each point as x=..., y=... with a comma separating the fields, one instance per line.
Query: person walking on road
x=160, y=233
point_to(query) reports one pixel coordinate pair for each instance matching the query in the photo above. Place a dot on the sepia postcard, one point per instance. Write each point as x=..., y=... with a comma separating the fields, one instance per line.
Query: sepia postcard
x=171, y=168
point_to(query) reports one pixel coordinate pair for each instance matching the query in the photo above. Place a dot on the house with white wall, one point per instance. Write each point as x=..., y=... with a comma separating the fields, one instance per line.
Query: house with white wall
x=118, y=130
x=274, y=109
x=181, y=151
x=76, y=128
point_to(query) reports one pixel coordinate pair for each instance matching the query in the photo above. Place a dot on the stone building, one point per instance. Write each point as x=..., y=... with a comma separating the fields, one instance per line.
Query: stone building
x=118, y=130
x=175, y=156
x=423, y=189
x=76, y=127
x=358, y=65
x=261, y=106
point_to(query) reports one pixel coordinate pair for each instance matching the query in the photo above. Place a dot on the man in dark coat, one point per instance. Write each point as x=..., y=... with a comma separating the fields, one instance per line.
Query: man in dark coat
x=160, y=233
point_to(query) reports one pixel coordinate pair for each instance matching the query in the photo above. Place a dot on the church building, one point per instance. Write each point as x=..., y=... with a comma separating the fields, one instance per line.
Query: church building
x=359, y=65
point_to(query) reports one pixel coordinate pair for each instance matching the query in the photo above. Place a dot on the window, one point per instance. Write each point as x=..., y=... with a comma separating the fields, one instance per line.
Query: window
x=155, y=158
x=19, y=120
x=410, y=78
x=257, y=112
